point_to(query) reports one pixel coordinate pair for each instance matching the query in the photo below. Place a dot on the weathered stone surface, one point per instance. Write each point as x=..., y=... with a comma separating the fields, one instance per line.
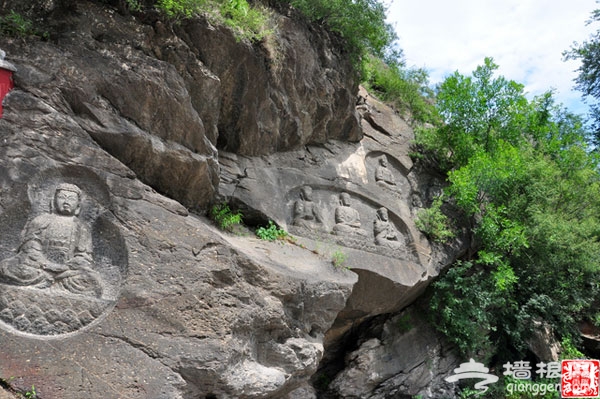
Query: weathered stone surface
x=406, y=358
x=357, y=202
x=190, y=314
x=137, y=107
x=297, y=89
x=543, y=343
x=160, y=101
x=303, y=190
x=6, y=395
x=132, y=115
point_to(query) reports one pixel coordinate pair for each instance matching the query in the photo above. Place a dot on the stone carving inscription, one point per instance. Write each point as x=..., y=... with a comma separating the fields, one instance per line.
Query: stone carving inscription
x=53, y=285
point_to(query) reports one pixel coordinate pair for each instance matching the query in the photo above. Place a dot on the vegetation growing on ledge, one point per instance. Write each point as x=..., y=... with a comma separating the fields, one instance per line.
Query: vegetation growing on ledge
x=405, y=88
x=251, y=22
x=360, y=24
x=14, y=24
x=272, y=232
x=224, y=217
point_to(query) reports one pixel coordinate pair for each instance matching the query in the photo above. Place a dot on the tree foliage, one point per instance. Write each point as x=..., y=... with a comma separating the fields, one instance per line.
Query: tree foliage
x=478, y=111
x=360, y=23
x=407, y=89
x=527, y=184
x=434, y=223
x=588, y=79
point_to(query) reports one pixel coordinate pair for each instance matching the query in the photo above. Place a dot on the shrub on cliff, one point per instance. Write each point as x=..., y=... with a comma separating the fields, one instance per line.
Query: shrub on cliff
x=407, y=89
x=361, y=23
x=246, y=21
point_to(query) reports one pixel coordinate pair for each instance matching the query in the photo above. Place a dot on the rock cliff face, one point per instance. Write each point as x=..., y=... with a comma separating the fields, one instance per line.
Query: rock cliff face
x=119, y=133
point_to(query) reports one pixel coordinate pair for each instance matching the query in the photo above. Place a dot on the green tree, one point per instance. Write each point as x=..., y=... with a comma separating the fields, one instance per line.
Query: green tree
x=527, y=184
x=588, y=79
x=360, y=23
x=477, y=110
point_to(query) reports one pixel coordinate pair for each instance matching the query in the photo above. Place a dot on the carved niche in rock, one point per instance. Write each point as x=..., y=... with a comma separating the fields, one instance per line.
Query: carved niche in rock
x=68, y=267
x=325, y=215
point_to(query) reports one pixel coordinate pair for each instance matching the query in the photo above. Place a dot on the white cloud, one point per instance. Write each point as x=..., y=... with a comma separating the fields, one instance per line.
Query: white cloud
x=525, y=37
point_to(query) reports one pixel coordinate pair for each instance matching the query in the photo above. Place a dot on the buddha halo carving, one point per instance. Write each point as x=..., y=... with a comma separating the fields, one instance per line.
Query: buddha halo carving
x=347, y=219
x=53, y=285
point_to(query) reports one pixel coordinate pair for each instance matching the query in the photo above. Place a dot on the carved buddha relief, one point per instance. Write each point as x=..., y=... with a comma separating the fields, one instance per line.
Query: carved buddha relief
x=384, y=176
x=384, y=232
x=56, y=252
x=347, y=219
x=56, y=282
x=306, y=212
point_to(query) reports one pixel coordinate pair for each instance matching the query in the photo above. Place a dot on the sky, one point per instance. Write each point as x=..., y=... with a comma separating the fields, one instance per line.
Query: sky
x=526, y=38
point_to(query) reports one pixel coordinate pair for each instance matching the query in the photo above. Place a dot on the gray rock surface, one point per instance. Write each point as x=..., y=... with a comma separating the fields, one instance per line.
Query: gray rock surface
x=407, y=358
x=132, y=114
x=194, y=313
x=297, y=90
x=275, y=187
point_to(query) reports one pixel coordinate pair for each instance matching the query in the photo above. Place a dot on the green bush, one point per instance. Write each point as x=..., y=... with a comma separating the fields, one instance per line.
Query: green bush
x=405, y=89
x=404, y=324
x=360, y=23
x=15, y=25
x=338, y=258
x=134, y=5
x=569, y=351
x=225, y=218
x=433, y=223
x=246, y=21
x=31, y=394
x=178, y=9
x=271, y=232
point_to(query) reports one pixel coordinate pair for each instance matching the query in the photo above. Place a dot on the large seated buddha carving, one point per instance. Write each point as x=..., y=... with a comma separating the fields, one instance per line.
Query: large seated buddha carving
x=347, y=219
x=56, y=250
